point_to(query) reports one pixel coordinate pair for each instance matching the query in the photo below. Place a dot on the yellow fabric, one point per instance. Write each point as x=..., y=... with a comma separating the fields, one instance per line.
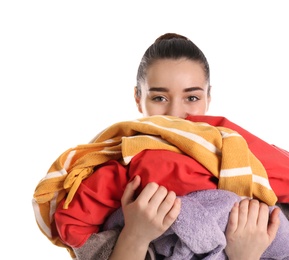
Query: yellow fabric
x=222, y=151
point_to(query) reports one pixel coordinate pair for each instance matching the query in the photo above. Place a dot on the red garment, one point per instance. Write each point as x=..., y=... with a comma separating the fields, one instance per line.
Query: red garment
x=100, y=194
x=274, y=159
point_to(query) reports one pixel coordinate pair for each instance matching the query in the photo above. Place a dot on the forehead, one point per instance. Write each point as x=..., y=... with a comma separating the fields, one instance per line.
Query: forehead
x=167, y=72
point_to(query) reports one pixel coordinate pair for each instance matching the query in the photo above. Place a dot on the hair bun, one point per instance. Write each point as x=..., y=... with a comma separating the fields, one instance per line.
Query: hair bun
x=168, y=36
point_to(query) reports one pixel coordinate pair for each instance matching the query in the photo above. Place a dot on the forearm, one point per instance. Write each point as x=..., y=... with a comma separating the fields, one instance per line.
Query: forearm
x=129, y=248
x=245, y=257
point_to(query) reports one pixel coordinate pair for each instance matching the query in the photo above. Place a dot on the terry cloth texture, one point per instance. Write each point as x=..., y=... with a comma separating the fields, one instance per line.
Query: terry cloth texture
x=221, y=150
x=198, y=232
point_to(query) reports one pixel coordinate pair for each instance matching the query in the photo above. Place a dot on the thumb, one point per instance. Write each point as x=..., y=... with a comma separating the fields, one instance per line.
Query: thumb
x=128, y=195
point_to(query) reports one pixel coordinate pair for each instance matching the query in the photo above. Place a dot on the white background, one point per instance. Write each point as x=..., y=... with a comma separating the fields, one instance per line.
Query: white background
x=68, y=68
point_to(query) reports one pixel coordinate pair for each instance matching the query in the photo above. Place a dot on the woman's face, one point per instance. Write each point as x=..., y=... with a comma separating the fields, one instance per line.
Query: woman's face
x=175, y=88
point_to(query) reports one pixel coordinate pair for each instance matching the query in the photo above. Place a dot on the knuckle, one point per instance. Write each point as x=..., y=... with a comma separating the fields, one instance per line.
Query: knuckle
x=163, y=189
x=152, y=185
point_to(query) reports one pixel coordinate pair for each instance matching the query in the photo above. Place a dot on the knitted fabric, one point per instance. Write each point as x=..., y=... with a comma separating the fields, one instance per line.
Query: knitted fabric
x=222, y=151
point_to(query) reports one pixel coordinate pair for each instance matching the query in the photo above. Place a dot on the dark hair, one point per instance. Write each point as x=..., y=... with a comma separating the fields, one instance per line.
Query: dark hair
x=171, y=46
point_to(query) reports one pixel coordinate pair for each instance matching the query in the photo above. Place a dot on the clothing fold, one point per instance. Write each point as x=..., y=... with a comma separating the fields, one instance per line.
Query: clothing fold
x=220, y=149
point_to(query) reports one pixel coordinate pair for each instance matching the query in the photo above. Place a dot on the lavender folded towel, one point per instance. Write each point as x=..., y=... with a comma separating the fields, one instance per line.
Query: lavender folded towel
x=198, y=232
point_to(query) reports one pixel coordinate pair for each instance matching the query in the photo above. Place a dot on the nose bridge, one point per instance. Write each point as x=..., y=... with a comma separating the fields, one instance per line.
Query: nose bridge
x=177, y=108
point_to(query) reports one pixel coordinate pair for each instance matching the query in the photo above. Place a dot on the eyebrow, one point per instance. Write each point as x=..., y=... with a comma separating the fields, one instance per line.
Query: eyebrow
x=167, y=90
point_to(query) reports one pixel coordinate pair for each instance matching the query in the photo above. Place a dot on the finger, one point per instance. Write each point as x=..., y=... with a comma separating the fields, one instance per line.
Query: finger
x=274, y=223
x=167, y=204
x=243, y=213
x=263, y=216
x=158, y=197
x=253, y=213
x=172, y=214
x=147, y=193
x=128, y=195
x=233, y=219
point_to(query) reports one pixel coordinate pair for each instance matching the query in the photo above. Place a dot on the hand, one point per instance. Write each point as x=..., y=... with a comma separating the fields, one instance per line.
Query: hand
x=151, y=213
x=250, y=229
x=146, y=218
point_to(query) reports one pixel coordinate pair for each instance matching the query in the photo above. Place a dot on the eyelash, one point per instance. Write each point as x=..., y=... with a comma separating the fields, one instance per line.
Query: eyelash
x=161, y=99
x=193, y=97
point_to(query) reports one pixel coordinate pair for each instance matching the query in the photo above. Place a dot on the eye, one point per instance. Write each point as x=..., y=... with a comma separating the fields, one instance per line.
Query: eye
x=193, y=98
x=159, y=99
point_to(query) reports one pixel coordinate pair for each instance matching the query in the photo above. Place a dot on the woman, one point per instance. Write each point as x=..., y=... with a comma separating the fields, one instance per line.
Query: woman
x=174, y=79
